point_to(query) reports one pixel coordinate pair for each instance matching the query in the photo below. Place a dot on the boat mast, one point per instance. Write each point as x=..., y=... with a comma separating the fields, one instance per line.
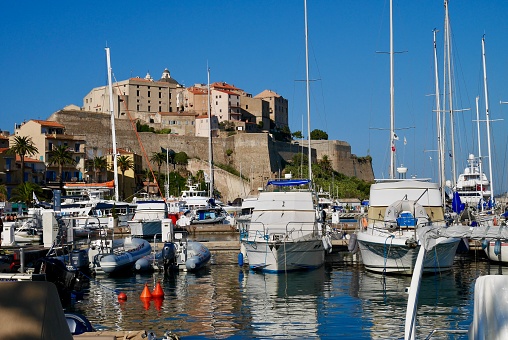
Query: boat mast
x=448, y=71
x=308, y=93
x=210, y=152
x=440, y=148
x=113, y=132
x=479, y=147
x=392, y=101
x=487, y=118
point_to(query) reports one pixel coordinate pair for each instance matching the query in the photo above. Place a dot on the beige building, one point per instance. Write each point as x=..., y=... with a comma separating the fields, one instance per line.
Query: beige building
x=45, y=136
x=256, y=111
x=203, y=126
x=141, y=98
x=133, y=177
x=278, y=107
x=181, y=123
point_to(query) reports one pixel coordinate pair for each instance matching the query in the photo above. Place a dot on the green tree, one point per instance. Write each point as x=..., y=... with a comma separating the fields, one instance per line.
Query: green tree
x=24, y=192
x=181, y=158
x=158, y=158
x=99, y=165
x=124, y=163
x=23, y=146
x=61, y=155
x=297, y=135
x=318, y=135
x=3, y=193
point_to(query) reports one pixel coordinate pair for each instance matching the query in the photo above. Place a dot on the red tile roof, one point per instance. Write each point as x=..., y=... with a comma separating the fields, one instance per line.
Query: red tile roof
x=48, y=123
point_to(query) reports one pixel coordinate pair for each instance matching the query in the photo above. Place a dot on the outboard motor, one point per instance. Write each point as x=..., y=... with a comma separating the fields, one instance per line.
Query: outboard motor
x=169, y=255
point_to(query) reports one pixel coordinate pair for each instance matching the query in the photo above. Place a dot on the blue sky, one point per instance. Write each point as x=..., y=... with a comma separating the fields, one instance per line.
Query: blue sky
x=53, y=54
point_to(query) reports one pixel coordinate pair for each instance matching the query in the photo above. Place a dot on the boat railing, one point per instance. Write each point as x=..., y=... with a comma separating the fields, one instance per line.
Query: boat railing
x=292, y=231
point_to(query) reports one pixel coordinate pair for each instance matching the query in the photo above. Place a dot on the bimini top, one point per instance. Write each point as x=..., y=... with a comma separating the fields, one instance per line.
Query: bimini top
x=288, y=182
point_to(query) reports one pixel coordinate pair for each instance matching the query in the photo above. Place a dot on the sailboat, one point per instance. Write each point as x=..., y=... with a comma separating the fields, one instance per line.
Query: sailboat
x=399, y=208
x=284, y=233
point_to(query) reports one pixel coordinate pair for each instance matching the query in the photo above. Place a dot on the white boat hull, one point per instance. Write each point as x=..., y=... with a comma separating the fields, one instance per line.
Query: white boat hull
x=503, y=251
x=285, y=256
x=384, y=254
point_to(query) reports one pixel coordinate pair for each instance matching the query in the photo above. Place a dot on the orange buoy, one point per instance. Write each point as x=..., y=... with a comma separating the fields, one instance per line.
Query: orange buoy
x=122, y=297
x=146, y=293
x=158, y=303
x=158, y=292
x=146, y=303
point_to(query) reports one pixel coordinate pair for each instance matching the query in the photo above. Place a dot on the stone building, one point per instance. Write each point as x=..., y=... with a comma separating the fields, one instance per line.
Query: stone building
x=278, y=107
x=141, y=98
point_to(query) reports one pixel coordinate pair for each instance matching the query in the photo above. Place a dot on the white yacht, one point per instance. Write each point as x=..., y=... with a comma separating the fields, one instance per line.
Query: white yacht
x=473, y=185
x=284, y=233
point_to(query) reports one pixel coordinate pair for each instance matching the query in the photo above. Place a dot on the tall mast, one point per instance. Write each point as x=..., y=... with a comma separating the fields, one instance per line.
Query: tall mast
x=440, y=148
x=210, y=152
x=487, y=118
x=392, y=100
x=113, y=132
x=479, y=145
x=308, y=91
x=448, y=69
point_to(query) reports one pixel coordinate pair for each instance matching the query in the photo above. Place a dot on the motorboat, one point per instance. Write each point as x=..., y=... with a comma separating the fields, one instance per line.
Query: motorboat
x=210, y=215
x=389, y=240
x=285, y=232
x=473, y=185
x=117, y=255
x=188, y=255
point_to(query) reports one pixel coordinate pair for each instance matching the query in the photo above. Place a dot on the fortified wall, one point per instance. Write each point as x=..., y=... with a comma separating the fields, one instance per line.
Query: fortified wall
x=256, y=155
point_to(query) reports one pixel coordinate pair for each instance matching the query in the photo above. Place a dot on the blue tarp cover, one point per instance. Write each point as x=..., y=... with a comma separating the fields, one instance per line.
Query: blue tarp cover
x=289, y=182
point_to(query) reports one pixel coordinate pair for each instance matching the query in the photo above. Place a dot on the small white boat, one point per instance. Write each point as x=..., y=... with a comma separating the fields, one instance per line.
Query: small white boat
x=116, y=256
x=209, y=216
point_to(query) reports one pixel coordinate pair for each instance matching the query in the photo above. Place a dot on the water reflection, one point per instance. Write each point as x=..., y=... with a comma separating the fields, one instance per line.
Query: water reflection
x=283, y=305
x=339, y=300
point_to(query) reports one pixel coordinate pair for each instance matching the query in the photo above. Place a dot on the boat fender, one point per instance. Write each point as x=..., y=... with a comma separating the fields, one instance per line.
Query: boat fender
x=364, y=223
x=495, y=221
x=353, y=244
x=240, y=259
x=485, y=244
x=497, y=248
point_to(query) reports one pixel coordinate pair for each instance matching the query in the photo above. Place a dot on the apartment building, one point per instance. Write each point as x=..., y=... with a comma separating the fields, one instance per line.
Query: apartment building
x=278, y=107
x=46, y=135
x=203, y=126
x=141, y=98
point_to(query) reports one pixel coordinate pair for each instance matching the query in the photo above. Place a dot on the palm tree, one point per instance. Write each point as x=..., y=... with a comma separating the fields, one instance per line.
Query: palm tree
x=23, y=146
x=3, y=193
x=158, y=158
x=124, y=163
x=99, y=164
x=61, y=155
x=24, y=192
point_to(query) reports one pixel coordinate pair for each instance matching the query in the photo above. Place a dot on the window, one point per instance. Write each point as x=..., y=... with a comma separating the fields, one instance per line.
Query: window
x=137, y=108
x=50, y=146
x=216, y=103
x=160, y=95
x=160, y=108
x=76, y=147
x=246, y=107
x=137, y=93
x=149, y=93
x=148, y=108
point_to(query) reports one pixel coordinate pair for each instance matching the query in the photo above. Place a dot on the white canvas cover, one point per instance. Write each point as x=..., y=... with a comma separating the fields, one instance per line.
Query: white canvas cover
x=277, y=212
x=490, y=317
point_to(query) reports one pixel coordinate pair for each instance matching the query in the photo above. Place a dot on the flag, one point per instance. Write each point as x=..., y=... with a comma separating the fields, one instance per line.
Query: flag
x=35, y=198
x=395, y=137
x=405, y=140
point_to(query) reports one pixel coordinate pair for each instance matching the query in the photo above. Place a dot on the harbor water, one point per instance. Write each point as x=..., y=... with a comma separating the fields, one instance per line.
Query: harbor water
x=339, y=300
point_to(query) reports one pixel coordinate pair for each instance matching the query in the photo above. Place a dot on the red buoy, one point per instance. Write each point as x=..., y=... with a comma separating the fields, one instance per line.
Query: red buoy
x=122, y=297
x=146, y=293
x=158, y=292
x=158, y=302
